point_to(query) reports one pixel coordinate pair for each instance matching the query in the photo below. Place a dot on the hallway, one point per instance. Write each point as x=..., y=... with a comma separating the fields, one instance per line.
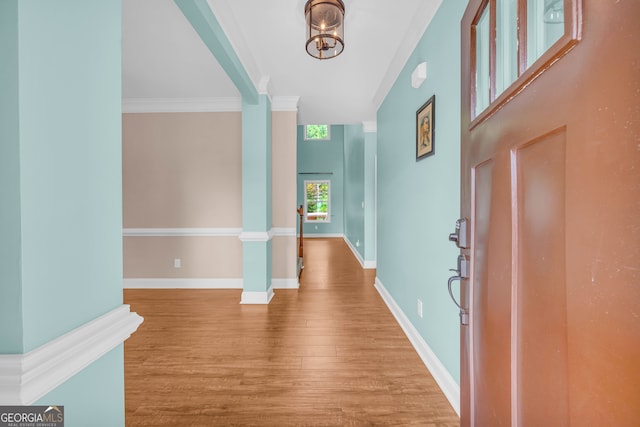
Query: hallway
x=328, y=354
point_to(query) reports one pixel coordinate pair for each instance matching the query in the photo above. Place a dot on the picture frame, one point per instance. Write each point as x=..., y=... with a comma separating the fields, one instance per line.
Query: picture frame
x=425, y=129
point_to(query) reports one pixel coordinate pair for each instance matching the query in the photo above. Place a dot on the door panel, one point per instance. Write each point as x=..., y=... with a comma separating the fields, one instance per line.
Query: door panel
x=491, y=349
x=540, y=285
x=551, y=184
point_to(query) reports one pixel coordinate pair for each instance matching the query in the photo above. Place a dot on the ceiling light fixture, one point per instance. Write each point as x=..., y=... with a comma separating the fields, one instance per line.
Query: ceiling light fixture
x=325, y=28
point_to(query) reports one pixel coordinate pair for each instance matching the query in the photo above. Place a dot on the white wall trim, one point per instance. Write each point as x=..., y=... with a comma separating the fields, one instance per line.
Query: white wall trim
x=255, y=236
x=264, y=85
x=283, y=232
x=204, y=105
x=209, y=232
x=320, y=236
x=186, y=283
x=182, y=283
x=449, y=387
x=285, y=103
x=24, y=378
x=363, y=263
x=370, y=127
x=181, y=105
x=181, y=232
x=370, y=265
x=285, y=283
x=252, y=297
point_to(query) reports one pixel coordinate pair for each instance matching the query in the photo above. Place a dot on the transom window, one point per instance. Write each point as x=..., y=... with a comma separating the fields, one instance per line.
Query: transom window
x=317, y=132
x=514, y=41
x=317, y=201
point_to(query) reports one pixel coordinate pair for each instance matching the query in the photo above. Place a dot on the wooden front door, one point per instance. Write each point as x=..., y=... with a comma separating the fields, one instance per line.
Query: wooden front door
x=551, y=188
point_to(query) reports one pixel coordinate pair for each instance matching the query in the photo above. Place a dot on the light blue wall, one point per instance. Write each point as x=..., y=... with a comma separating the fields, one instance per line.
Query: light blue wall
x=256, y=193
x=10, y=242
x=370, y=158
x=418, y=202
x=256, y=165
x=323, y=156
x=68, y=153
x=354, y=179
x=70, y=157
x=93, y=397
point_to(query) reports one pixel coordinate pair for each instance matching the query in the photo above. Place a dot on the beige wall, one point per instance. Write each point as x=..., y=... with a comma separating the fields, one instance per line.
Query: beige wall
x=184, y=170
x=200, y=257
x=283, y=165
x=284, y=259
x=283, y=182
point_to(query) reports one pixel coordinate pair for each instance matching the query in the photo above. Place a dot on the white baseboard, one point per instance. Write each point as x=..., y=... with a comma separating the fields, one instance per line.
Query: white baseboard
x=202, y=283
x=25, y=378
x=251, y=297
x=285, y=283
x=182, y=283
x=449, y=387
x=363, y=263
x=320, y=236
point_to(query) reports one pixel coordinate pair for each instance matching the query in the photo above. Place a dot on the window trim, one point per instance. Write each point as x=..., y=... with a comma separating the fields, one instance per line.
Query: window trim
x=572, y=35
x=306, y=213
x=328, y=138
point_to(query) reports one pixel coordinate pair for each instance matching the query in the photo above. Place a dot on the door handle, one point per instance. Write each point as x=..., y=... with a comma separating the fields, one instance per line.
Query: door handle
x=462, y=273
x=464, y=314
x=453, y=298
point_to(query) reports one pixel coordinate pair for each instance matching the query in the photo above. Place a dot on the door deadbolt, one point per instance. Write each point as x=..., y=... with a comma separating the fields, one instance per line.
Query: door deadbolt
x=460, y=235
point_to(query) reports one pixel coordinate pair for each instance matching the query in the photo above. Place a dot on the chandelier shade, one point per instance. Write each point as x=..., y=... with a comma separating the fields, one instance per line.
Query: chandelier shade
x=325, y=28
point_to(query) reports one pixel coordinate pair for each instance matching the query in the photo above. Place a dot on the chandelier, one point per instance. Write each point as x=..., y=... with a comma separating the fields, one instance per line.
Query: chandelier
x=325, y=28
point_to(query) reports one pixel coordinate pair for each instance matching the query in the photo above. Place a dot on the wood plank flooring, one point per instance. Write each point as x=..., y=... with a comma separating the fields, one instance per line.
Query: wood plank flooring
x=328, y=354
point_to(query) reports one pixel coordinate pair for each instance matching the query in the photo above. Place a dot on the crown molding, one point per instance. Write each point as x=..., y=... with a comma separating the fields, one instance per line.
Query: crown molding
x=415, y=31
x=264, y=85
x=370, y=127
x=201, y=105
x=285, y=103
x=181, y=105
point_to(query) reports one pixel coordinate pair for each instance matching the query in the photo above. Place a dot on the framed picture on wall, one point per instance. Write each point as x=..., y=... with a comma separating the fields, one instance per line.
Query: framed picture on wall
x=425, y=126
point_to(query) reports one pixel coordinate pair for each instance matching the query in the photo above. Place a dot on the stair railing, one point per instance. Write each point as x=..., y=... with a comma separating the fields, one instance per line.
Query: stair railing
x=300, y=211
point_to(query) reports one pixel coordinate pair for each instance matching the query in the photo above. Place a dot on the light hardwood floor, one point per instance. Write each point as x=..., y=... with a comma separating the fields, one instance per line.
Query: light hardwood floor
x=328, y=354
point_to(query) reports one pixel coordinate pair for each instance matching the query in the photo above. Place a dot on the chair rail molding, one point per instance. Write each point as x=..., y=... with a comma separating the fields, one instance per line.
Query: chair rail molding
x=24, y=378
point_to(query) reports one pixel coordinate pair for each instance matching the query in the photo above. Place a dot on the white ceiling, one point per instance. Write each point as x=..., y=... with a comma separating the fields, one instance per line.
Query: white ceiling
x=164, y=59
